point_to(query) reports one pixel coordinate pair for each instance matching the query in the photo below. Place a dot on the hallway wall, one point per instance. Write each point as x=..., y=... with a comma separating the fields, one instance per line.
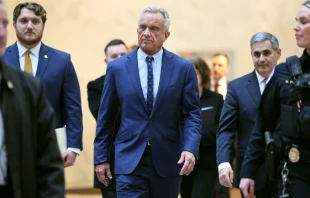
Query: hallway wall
x=83, y=27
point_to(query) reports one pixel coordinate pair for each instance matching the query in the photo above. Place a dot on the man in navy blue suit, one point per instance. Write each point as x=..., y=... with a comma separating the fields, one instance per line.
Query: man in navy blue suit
x=239, y=113
x=53, y=67
x=160, y=131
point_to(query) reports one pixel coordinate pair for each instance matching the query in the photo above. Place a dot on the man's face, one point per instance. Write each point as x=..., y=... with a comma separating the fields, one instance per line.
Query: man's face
x=220, y=67
x=115, y=51
x=302, y=27
x=3, y=28
x=151, y=36
x=264, y=57
x=29, y=28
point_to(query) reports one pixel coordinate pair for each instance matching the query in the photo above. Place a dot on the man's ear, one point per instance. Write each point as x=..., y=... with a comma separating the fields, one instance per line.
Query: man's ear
x=279, y=51
x=167, y=34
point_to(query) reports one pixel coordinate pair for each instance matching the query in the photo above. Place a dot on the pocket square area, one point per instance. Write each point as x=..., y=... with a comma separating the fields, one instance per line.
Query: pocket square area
x=206, y=108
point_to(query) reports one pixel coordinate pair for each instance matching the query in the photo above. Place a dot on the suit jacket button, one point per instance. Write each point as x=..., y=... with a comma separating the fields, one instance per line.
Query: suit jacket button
x=150, y=120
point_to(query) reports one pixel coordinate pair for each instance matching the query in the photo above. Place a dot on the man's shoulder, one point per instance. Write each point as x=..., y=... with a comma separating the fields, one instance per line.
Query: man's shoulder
x=176, y=58
x=54, y=50
x=281, y=70
x=96, y=82
x=241, y=80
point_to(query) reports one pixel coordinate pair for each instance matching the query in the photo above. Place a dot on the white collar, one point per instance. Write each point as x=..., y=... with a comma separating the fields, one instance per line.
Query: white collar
x=22, y=50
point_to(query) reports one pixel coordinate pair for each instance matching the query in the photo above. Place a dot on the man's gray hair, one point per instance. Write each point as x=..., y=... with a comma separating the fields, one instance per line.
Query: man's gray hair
x=263, y=36
x=155, y=9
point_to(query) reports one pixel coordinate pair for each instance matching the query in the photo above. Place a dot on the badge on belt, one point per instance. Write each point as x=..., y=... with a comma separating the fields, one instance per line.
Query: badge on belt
x=294, y=154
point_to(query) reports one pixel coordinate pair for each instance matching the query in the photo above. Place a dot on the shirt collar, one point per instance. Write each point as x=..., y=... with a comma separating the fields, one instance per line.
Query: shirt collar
x=260, y=78
x=22, y=50
x=142, y=55
x=222, y=81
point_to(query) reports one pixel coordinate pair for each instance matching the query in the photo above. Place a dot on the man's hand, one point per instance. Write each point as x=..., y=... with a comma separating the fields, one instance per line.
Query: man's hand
x=247, y=187
x=103, y=173
x=189, y=162
x=69, y=158
x=226, y=177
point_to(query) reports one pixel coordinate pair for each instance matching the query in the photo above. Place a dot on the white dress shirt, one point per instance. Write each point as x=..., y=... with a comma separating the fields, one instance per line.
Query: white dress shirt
x=34, y=56
x=3, y=154
x=222, y=88
x=142, y=66
x=261, y=82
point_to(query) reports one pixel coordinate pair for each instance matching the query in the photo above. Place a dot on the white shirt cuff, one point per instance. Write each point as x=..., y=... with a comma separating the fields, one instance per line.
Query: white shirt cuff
x=76, y=150
x=224, y=165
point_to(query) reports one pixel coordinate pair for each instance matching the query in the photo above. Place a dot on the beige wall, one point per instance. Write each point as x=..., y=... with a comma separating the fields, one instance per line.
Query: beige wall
x=83, y=27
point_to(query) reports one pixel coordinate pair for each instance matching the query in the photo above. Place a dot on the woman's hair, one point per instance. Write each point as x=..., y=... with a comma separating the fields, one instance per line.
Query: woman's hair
x=203, y=69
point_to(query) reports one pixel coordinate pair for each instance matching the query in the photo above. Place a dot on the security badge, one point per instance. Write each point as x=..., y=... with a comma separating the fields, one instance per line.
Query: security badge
x=294, y=155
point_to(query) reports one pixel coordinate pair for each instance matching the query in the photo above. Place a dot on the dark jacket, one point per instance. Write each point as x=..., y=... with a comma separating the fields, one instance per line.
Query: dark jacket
x=34, y=161
x=211, y=106
x=238, y=119
x=270, y=117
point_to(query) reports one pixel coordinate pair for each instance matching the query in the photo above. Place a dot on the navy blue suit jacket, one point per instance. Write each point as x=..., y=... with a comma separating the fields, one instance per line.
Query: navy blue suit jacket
x=60, y=81
x=238, y=118
x=174, y=125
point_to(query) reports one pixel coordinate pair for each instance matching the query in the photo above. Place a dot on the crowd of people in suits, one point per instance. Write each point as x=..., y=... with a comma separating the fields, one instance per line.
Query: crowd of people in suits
x=166, y=125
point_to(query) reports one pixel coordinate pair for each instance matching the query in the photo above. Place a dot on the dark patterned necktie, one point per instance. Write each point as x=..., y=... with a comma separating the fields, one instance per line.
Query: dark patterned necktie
x=150, y=84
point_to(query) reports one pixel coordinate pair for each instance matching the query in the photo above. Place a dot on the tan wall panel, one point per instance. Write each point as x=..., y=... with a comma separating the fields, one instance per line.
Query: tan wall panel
x=83, y=27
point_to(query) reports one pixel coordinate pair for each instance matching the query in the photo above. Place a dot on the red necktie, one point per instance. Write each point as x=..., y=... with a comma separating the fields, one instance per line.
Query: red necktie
x=216, y=87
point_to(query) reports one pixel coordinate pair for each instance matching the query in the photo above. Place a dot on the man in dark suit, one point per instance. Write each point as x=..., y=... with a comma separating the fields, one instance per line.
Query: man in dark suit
x=160, y=130
x=240, y=110
x=54, y=68
x=30, y=161
x=284, y=111
x=114, y=49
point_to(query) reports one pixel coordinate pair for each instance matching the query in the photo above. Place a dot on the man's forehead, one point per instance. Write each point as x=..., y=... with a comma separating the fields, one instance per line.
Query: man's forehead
x=151, y=17
x=3, y=12
x=26, y=13
x=262, y=46
x=220, y=58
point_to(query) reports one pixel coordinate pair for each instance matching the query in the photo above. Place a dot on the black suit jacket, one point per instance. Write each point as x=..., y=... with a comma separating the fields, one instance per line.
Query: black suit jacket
x=34, y=161
x=238, y=118
x=211, y=106
x=94, y=91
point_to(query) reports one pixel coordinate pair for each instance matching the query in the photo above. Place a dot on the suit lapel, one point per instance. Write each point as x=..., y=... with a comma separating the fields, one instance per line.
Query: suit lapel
x=12, y=56
x=133, y=72
x=43, y=61
x=253, y=88
x=165, y=76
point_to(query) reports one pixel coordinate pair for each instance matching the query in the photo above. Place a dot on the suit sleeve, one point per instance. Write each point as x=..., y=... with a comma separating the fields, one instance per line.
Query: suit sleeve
x=94, y=92
x=227, y=127
x=106, y=118
x=192, y=113
x=50, y=168
x=267, y=119
x=72, y=105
